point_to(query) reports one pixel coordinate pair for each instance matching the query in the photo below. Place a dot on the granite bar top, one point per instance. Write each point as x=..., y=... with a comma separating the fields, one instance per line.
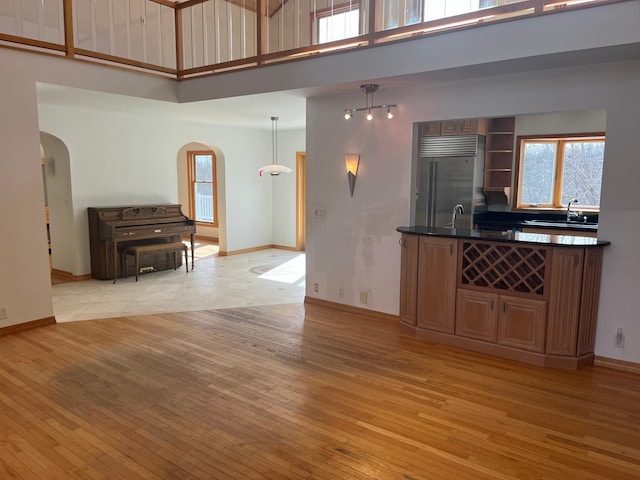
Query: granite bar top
x=508, y=236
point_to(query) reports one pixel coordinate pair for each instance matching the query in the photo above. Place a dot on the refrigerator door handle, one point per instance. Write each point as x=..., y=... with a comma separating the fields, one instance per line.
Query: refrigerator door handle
x=433, y=167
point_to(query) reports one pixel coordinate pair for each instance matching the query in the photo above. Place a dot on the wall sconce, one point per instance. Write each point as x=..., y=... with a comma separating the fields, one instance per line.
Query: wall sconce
x=351, y=162
x=368, y=89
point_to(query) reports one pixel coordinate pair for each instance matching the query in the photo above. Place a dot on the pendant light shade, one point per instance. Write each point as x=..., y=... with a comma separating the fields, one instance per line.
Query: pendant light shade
x=274, y=169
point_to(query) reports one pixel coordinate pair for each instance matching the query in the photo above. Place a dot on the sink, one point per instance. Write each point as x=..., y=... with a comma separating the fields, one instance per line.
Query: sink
x=563, y=224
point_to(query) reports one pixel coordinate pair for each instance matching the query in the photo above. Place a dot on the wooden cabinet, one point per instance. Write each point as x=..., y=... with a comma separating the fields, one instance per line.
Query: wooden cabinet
x=530, y=302
x=522, y=323
x=477, y=314
x=436, y=304
x=408, y=279
x=564, y=301
x=470, y=126
x=499, y=159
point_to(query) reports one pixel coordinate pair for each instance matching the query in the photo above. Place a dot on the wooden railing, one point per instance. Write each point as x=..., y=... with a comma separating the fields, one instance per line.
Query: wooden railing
x=199, y=37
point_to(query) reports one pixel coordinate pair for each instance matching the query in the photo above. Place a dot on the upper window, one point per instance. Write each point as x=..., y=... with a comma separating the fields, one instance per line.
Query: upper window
x=202, y=187
x=338, y=23
x=552, y=171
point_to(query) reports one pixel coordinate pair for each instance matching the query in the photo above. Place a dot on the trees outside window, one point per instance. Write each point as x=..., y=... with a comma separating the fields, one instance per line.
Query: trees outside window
x=555, y=170
x=202, y=187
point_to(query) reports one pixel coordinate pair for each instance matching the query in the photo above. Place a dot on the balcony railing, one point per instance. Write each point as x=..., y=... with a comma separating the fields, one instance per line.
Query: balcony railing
x=207, y=36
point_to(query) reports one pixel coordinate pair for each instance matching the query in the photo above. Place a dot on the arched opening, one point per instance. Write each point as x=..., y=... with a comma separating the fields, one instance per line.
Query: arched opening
x=56, y=172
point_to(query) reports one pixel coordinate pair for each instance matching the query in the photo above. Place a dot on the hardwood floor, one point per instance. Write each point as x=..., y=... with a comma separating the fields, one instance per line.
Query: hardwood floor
x=300, y=392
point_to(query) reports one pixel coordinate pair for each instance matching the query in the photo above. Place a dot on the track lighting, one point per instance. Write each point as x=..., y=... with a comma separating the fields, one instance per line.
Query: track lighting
x=368, y=89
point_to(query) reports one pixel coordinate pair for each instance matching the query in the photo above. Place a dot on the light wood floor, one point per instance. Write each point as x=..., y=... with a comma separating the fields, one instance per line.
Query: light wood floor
x=276, y=392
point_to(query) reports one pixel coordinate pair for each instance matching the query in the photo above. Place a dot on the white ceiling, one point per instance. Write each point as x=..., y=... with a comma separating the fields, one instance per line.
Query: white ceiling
x=249, y=111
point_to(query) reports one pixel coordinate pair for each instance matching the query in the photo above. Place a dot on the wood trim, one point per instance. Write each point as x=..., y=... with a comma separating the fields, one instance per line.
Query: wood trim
x=166, y=3
x=68, y=276
x=179, y=43
x=125, y=61
x=532, y=358
x=301, y=200
x=67, y=8
x=220, y=66
x=284, y=247
x=332, y=47
x=32, y=43
x=188, y=4
x=616, y=364
x=21, y=327
x=363, y=312
x=261, y=30
x=191, y=176
x=204, y=238
x=244, y=250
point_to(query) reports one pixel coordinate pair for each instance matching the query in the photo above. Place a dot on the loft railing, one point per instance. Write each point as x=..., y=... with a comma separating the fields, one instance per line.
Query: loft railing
x=198, y=37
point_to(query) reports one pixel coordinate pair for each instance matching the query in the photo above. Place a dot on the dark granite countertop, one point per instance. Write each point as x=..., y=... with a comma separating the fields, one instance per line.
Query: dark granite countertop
x=519, y=220
x=508, y=236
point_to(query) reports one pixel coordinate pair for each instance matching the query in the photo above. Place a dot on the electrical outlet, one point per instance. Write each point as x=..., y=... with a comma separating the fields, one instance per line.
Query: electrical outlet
x=363, y=297
x=315, y=287
x=618, y=340
x=4, y=313
x=341, y=293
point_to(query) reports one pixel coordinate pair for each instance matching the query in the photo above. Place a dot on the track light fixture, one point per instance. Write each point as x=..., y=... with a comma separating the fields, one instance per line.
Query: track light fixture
x=368, y=89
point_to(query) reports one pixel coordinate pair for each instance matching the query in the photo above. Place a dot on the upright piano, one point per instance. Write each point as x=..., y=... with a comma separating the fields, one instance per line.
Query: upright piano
x=113, y=228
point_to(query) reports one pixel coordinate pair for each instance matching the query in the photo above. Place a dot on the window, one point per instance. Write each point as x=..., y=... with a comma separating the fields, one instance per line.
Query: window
x=338, y=23
x=202, y=187
x=552, y=171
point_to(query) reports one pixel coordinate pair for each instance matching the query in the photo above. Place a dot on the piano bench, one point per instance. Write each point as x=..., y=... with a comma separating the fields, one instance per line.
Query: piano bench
x=156, y=248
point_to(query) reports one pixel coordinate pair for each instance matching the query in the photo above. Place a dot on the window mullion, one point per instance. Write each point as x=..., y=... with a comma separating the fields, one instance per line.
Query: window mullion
x=557, y=182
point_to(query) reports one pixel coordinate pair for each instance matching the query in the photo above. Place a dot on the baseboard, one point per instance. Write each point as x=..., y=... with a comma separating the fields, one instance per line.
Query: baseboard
x=202, y=238
x=363, y=312
x=617, y=364
x=256, y=249
x=68, y=276
x=283, y=247
x=21, y=327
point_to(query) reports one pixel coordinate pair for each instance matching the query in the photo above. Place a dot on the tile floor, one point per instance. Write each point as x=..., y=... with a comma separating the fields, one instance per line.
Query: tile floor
x=265, y=277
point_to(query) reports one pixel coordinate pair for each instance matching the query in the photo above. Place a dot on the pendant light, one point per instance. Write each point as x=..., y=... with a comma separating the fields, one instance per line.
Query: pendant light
x=274, y=169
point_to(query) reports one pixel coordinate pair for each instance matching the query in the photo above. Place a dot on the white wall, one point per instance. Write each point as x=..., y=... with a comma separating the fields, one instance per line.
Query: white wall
x=124, y=159
x=284, y=188
x=355, y=246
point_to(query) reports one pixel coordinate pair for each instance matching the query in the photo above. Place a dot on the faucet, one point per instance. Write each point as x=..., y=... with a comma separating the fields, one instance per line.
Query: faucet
x=458, y=209
x=570, y=213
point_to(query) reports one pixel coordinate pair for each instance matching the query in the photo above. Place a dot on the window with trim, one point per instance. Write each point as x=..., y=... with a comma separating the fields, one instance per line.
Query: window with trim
x=203, y=203
x=337, y=23
x=553, y=170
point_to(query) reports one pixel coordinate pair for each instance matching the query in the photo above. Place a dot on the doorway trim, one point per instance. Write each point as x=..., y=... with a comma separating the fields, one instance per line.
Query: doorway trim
x=301, y=200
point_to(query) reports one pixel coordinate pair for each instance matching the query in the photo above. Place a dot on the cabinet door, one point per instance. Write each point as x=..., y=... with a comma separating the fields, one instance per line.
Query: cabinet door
x=408, y=279
x=468, y=126
x=430, y=129
x=437, y=260
x=477, y=315
x=564, y=301
x=589, y=300
x=450, y=127
x=521, y=323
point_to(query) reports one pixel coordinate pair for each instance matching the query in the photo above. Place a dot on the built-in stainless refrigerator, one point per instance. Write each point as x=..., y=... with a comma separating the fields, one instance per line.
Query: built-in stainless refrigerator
x=450, y=172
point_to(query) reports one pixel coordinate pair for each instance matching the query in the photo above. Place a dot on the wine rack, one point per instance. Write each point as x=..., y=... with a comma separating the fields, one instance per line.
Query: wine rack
x=511, y=268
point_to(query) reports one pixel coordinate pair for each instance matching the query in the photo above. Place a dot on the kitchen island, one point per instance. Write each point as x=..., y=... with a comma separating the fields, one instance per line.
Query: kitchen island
x=525, y=296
